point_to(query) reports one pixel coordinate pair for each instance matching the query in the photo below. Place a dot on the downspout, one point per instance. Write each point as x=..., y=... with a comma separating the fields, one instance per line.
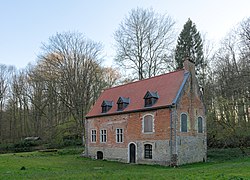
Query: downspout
x=175, y=132
x=86, y=154
x=171, y=134
x=175, y=136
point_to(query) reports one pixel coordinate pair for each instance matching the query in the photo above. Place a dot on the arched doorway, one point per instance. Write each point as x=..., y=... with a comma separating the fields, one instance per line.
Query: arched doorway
x=132, y=153
x=99, y=155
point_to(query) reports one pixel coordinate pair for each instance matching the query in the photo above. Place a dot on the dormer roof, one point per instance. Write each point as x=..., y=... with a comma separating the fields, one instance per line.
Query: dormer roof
x=123, y=100
x=107, y=103
x=151, y=94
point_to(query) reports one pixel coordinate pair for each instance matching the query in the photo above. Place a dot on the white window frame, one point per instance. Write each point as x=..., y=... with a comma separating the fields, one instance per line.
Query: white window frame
x=187, y=122
x=119, y=135
x=93, y=135
x=103, y=133
x=153, y=124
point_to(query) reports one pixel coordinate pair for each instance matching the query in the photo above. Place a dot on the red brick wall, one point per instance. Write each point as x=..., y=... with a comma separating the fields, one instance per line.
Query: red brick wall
x=132, y=127
x=191, y=104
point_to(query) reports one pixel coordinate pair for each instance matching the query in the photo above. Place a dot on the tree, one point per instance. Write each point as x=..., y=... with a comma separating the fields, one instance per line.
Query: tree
x=244, y=32
x=189, y=45
x=110, y=76
x=228, y=99
x=5, y=81
x=143, y=42
x=50, y=98
x=70, y=64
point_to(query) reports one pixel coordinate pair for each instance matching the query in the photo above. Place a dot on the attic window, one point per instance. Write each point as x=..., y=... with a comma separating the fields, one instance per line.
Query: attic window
x=150, y=98
x=122, y=103
x=106, y=106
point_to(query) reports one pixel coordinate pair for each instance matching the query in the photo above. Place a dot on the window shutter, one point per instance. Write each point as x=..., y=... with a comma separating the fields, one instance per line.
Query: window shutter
x=148, y=123
x=183, y=123
x=200, y=125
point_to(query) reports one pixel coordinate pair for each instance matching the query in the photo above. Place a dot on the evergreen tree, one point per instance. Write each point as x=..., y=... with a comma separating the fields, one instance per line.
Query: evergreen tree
x=189, y=45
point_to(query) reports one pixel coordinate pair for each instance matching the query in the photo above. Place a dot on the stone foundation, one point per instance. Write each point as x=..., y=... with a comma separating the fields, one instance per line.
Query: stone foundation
x=191, y=149
x=160, y=153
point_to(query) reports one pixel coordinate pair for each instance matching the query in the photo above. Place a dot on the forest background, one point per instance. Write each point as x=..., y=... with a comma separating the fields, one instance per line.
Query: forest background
x=50, y=98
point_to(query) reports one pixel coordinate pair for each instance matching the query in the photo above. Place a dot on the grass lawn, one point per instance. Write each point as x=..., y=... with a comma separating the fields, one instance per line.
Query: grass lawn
x=67, y=164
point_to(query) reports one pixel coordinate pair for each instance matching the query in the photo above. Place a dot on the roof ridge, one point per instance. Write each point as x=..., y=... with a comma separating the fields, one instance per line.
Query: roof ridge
x=144, y=79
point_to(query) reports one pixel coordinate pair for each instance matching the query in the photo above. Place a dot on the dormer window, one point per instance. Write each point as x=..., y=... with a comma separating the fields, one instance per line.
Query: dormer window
x=106, y=106
x=122, y=103
x=150, y=98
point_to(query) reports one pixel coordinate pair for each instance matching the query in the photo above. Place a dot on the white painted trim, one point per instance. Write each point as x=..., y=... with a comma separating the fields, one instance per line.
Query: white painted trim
x=116, y=135
x=92, y=134
x=101, y=135
x=153, y=125
x=135, y=151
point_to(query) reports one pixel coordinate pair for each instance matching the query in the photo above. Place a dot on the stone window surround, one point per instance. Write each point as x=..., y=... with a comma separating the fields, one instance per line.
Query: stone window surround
x=153, y=124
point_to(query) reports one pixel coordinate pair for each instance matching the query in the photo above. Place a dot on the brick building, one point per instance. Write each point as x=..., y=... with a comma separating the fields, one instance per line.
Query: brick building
x=160, y=120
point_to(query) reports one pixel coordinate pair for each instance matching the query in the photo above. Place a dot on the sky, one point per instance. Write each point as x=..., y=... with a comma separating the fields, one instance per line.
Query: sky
x=26, y=24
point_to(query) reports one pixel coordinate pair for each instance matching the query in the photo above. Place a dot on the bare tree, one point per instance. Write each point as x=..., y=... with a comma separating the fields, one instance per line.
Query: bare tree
x=5, y=83
x=245, y=33
x=50, y=98
x=144, y=41
x=110, y=76
x=228, y=107
x=70, y=66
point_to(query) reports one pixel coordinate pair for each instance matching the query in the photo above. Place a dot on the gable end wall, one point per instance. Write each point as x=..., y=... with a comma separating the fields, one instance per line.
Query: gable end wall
x=190, y=146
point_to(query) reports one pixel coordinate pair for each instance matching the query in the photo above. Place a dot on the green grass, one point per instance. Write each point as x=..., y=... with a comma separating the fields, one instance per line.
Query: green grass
x=67, y=164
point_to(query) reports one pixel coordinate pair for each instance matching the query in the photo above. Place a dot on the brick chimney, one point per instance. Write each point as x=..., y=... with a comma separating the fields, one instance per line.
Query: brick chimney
x=189, y=66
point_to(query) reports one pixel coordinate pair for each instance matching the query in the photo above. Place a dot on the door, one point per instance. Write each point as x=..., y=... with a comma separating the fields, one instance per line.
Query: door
x=99, y=155
x=132, y=153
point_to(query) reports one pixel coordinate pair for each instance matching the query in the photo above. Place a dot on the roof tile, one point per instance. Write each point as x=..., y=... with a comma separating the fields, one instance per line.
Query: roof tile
x=166, y=85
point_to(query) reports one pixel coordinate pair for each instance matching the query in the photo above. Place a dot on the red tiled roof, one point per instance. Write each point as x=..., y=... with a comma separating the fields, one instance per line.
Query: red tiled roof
x=166, y=85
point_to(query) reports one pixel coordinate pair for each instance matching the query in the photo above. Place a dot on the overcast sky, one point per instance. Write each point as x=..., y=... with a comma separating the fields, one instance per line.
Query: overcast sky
x=25, y=24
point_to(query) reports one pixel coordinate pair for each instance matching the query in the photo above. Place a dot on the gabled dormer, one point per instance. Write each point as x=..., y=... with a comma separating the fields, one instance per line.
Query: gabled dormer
x=150, y=98
x=122, y=103
x=106, y=106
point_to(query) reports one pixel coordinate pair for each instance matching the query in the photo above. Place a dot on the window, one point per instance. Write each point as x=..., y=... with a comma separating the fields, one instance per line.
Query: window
x=200, y=125
x=150, y=98
x=148, y=123
x=148, y=102
x=119, y=135
x=105, y=109
x=93, y=135
x=103, y=135
x=148, y=151
x=183, y=123
x=120, y=107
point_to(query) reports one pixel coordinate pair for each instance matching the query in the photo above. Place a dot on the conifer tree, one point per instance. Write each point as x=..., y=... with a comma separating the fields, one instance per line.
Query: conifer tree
x=189, y=45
